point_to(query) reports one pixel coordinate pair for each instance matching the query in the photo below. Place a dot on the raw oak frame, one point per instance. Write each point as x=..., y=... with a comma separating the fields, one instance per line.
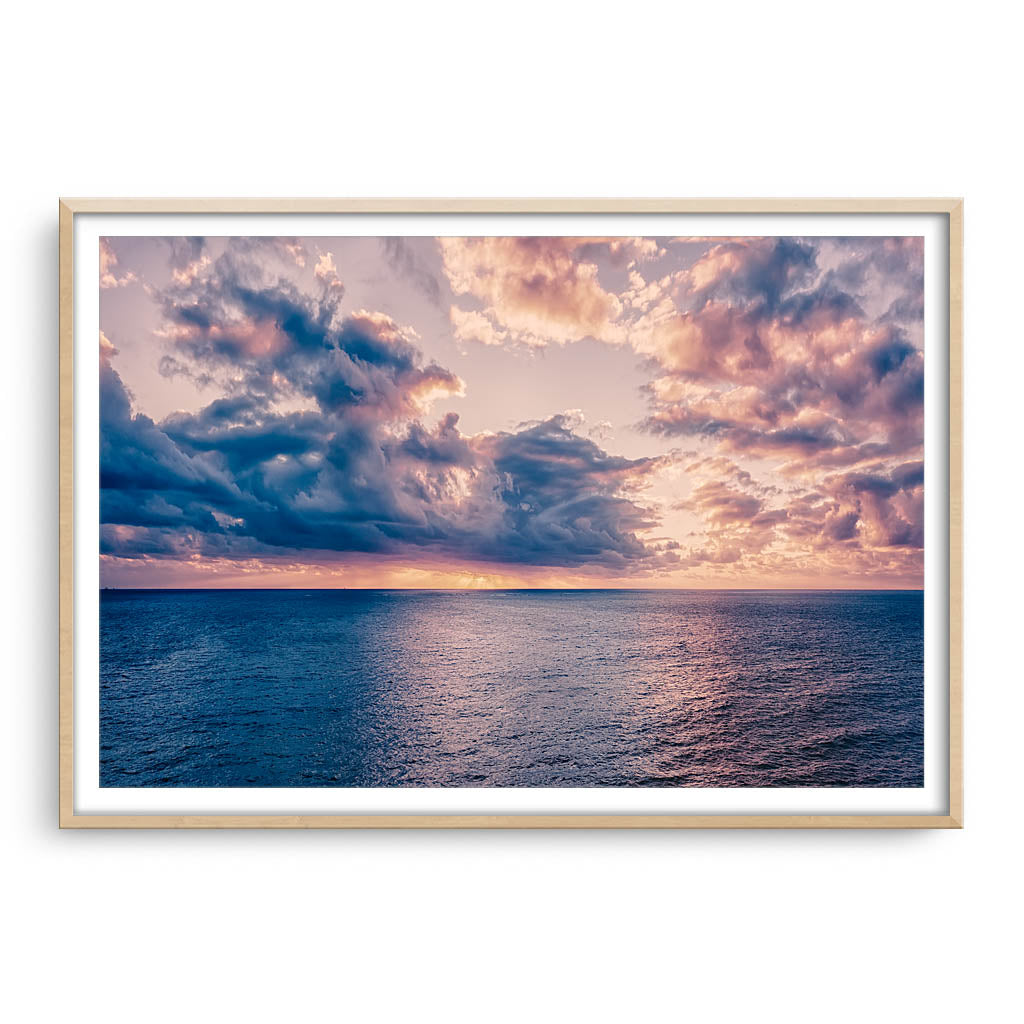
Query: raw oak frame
x=951, y=208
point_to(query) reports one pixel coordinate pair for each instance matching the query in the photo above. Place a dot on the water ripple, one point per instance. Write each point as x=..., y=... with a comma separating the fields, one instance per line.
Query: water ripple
x=524, y=688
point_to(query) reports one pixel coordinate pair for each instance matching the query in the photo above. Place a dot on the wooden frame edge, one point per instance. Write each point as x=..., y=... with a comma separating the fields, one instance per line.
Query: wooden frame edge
x=371, y=204
x=956, y=500
x=510, y=821
x=66, y=436
x=69, y=207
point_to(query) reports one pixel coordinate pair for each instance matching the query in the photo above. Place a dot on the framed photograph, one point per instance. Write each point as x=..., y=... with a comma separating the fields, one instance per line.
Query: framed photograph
x=510, y=513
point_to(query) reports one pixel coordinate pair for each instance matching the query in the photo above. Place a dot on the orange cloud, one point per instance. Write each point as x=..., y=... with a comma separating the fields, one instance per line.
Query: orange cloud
x=536, y=288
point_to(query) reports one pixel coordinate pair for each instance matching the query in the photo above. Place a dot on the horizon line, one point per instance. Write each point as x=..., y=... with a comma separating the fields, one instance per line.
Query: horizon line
x=470, y=590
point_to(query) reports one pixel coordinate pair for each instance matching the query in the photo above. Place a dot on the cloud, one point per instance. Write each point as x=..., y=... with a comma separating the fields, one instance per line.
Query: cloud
x=109, y=277
x=319, y=446
x=146, y=480
x=760, y=270
x=107, y=349
x=563, y=493
x=544, y=289
x=187, y=258
x=406, y=258
x=861, y=523
x=469, y=325
x=792, y=367
x=801, y=354
x=327, y=272
x=296, y=251
x=803, y=359
x=766, y=354
x=259, y=334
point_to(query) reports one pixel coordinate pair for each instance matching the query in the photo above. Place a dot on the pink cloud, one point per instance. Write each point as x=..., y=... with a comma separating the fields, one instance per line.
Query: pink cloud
x=109, y=277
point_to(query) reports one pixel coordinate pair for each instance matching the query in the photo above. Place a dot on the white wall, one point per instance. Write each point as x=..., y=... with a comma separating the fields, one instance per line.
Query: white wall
x=429, y=99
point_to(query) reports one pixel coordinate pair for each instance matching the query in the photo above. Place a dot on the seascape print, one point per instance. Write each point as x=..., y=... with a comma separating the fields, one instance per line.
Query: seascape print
x=511, y=511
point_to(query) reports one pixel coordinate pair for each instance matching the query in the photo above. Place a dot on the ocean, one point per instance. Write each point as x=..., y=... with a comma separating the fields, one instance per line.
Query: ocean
x=330, y=688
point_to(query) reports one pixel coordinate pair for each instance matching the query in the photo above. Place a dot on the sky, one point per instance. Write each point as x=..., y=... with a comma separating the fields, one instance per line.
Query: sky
x=511, y=412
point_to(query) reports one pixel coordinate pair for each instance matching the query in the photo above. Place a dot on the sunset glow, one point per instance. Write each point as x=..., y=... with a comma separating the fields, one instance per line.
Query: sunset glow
x=512, y=412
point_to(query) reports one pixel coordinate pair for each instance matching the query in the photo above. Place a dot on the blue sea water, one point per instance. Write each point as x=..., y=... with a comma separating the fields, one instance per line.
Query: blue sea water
x=511, y=688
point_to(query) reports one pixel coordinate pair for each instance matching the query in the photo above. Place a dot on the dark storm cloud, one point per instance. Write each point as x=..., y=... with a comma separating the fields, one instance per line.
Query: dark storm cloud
x=562, y=493
x=549, y=460
x=309, y=481
x=243, y=434
x=445, y=447
x=135, y=454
